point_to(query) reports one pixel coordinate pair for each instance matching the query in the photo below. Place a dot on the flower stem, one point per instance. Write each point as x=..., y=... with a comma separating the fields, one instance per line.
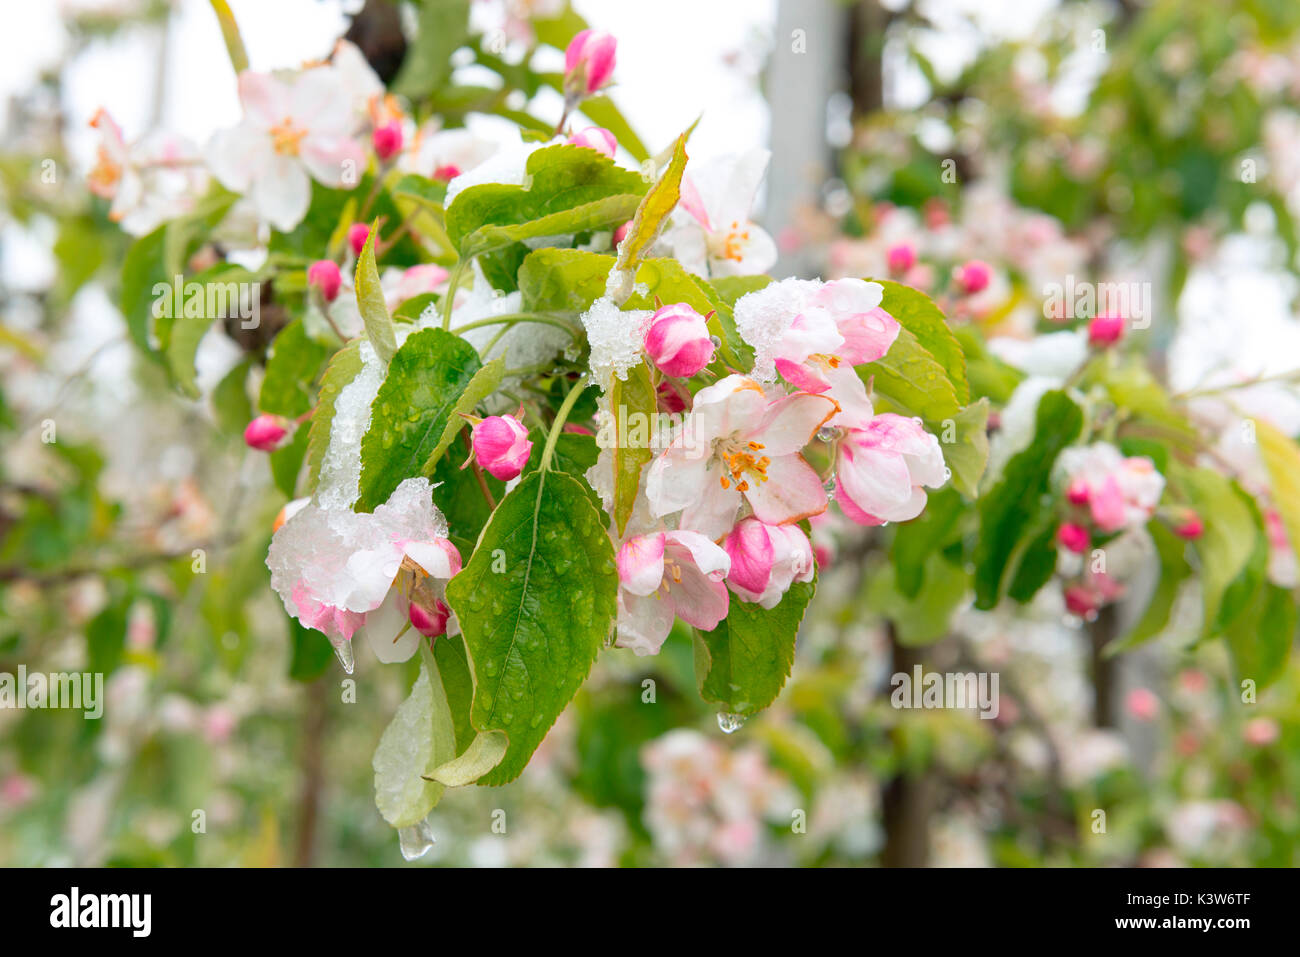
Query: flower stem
x=558, y=425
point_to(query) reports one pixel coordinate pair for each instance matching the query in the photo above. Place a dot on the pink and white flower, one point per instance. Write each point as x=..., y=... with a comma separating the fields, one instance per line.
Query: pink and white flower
x=589, y=62
x=882, y=470
x=716, y=236
x=148, y=182
x=336, y=569
x=293, y=131
x=664, y=576
x=766, y=560
x=1119, y=492
x=737, y=446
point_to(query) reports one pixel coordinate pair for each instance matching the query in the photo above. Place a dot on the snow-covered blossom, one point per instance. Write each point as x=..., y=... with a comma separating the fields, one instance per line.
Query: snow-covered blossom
x=736, y=446
x=294, y=130
x=712, y=233
x=766, y=560
x=882, y=470
x=664, y=576
x=148, y=182
x=814, y=333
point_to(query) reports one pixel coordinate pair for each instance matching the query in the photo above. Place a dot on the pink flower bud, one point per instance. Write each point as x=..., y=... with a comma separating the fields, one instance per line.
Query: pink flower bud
x=1191, y=527
x=670, y=397
x=267, y=432
x=1078, y=493
x=1105, y=330
x=324, y=275
x=589, y=62
x=973, y=276
x=677, y=340
x=1073, y=537
x=501, y=446
x=901, y=257
x=387, y=140
x=1142, y=704
x=430, y=622
x=620, y=234
x=358, y=233
x=1080, y=601
x=596, y=138
x=446, y=172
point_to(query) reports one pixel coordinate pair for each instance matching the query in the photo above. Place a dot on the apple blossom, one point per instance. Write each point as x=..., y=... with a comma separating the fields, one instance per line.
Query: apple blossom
x=267, y=432
x=588, y=62
x=1120, y=492
x=716, y=236
x=324, y=275
x=596, y=138
x=766, y=560
x=664, y=576
x=430, y=622
x=734, y=446
x=1189, y=526
x=677, y=340
x=501, y=446
x=148, y=182
x=293, y=131
x=882, y=470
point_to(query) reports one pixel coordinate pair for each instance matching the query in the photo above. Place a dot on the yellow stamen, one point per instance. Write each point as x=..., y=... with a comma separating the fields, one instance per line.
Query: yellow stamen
x=287, y=138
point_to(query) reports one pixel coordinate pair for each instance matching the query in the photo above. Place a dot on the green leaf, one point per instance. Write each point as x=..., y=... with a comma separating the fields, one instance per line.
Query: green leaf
x=342, y=369
x=1281, y=458
x=742, y=665
x=419, y=740
x=598, y=214
x=484, y=753
x=534, y=628
x=370, y=301
x=659, y=201
x=482, y=385
x=441, y=27
x=1037, y=563
x=731, y=288
x=918, y=314
x=1014, y=506
x=230, y=34
x=634, y=397
x=1174, y=570
x=425, y=380
x=928, y=533
x=910, y=377
x=1229, y=538
x=563, y=280
x=459, y=497
x=310, y=653
x=291, y=370
x=141, y=271
x=230, y=401
x=286, y=463
x=968, y=452
x=458, y=684
x=925, y=618
x=1262, y=635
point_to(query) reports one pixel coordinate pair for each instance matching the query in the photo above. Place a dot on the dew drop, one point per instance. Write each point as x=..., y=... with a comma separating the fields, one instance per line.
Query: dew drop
x=730, y=723
x=416, y=840
x=825, y=433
